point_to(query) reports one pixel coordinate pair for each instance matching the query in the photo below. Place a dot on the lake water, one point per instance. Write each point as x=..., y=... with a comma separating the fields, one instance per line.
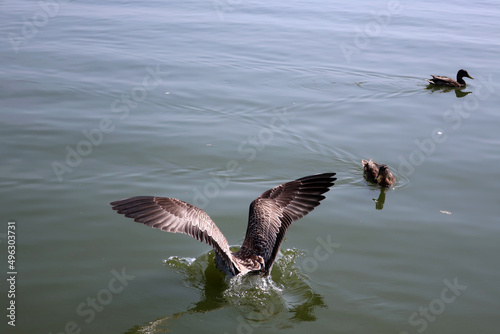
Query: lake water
x=214, y=102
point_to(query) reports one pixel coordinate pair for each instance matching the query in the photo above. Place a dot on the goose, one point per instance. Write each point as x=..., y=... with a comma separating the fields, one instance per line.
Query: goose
x=271, y=214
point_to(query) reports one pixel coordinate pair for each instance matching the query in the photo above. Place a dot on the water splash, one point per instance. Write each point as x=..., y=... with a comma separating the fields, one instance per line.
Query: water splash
x=280, y=300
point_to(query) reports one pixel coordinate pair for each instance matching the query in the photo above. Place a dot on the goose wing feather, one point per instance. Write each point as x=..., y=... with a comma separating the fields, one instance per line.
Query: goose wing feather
x=175, y=216
x=272, y=213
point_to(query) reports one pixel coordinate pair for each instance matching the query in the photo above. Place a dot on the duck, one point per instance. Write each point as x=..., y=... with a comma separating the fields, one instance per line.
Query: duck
x=270, y=216
x=377, y=173
x=449, y=82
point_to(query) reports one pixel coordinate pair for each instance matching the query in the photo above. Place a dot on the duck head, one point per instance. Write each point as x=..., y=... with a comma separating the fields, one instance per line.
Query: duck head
x=463, y=73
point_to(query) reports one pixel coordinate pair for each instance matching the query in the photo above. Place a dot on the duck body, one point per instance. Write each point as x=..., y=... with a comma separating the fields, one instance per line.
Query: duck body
x=449, y=82
x=377, y=173
x=271, y=214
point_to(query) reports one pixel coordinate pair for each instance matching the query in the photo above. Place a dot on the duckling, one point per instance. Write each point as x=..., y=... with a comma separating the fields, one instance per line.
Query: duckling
x=449, y=82
x=378, y=173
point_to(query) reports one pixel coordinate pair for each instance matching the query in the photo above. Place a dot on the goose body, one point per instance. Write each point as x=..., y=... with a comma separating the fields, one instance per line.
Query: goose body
x=271, y=214
x=449, y=82
x=377, y=173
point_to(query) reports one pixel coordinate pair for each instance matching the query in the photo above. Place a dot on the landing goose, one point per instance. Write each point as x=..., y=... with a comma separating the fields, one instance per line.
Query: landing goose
x=271, y=214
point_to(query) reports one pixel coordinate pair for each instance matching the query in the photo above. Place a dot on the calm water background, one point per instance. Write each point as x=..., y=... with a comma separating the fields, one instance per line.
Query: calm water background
x=215, y=102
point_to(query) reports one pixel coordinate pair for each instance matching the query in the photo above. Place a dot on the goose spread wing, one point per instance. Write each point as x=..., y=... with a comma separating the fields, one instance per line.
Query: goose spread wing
x=274, y=211
x=175, y=216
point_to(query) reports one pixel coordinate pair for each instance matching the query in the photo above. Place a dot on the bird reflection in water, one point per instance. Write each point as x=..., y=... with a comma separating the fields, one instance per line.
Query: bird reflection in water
x=284, y=298
x=459, y=93
x=380, y=201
